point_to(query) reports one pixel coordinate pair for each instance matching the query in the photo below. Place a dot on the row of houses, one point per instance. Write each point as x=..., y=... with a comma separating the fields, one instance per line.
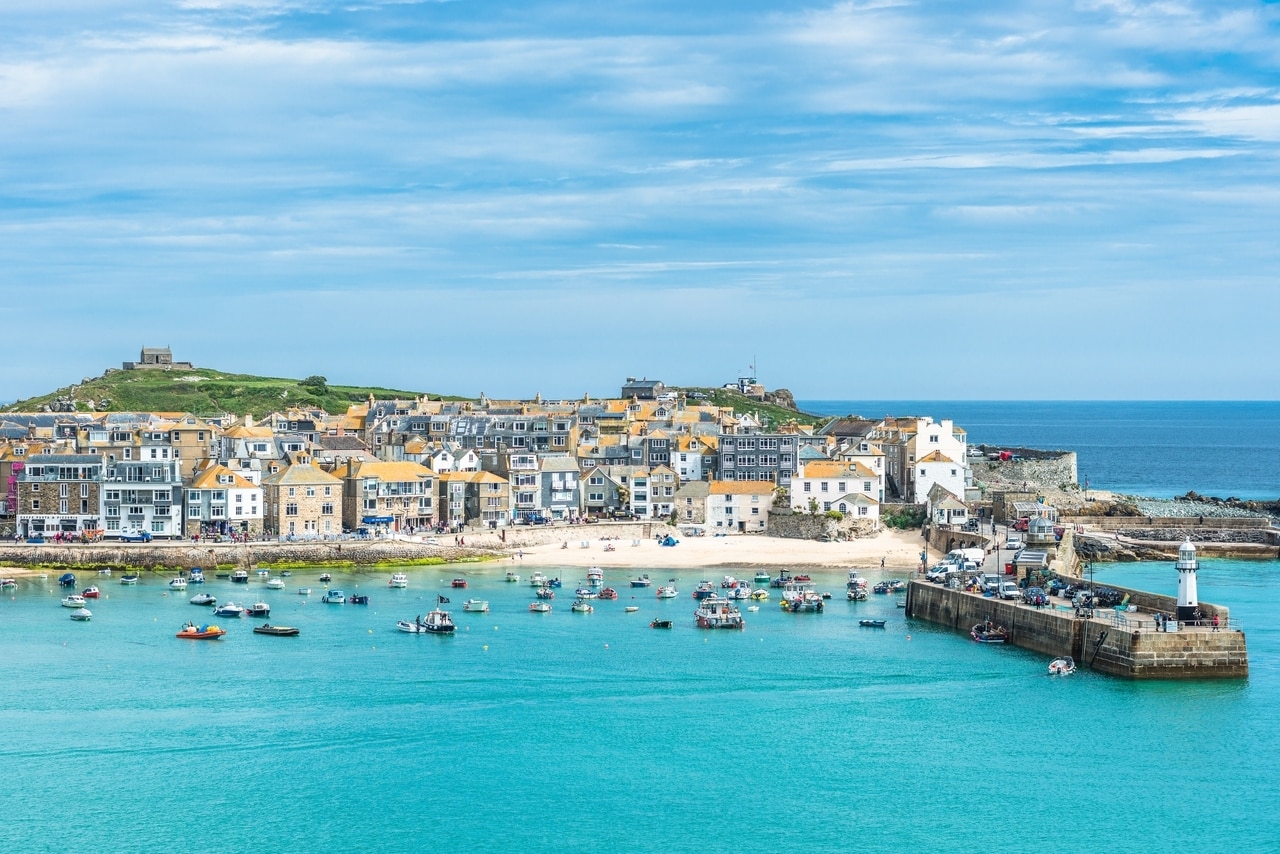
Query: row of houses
x=429, y=464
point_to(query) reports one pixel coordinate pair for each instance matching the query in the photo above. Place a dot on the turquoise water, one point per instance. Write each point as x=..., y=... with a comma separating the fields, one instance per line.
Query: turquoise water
x=593, y=732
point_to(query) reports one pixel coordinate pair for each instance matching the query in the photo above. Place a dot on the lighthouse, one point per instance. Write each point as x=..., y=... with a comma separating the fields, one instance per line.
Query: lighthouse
x=1188, y=602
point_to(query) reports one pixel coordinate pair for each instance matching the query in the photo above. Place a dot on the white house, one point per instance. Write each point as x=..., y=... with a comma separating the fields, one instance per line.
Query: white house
x=849, y=487
x=741, y=506
x=220, y=501
x=938, y=469
x=693, y=457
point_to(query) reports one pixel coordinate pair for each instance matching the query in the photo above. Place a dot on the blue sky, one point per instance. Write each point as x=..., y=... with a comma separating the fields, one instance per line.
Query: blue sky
x=868, y=200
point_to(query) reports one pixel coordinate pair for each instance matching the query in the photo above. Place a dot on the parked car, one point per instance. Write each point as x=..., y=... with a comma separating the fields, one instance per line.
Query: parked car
x=971, y=525
x=1035, y=596
x=1013, y=541
x=1009, y=590
x=534, y=519
x=135, y=536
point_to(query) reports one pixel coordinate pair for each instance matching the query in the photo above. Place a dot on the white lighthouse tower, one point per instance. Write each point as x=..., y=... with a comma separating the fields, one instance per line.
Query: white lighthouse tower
x=1188, y=602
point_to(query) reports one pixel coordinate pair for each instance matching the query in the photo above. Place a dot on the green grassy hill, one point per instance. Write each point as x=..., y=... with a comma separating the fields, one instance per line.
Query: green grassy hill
x=773, y=415
x=206, y=392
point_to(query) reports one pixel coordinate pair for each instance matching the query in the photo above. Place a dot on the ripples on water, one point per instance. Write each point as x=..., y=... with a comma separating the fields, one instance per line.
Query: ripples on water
x=594, y=732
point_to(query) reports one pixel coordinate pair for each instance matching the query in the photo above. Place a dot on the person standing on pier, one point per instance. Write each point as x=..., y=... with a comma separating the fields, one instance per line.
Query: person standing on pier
x=1215, y=622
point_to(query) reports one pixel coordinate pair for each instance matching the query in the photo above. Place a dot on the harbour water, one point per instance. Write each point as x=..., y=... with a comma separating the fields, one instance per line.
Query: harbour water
x=1153, y=448
x=567, y=731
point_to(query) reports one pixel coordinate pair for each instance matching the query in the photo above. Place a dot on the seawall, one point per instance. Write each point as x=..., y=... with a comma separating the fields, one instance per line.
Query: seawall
x=1127, y=645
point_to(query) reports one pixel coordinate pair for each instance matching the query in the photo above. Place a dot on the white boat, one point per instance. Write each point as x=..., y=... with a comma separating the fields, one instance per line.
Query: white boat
x=759, y=595
x=399, y=580
x=437, y=622
x=540, y=607
x=178, y=583
x=75, y=600
x=1063, y=666
x=716, y=613
x=668, y=591
x=240, y=576
x=263, y=573
x=631, y=609
x=204, y=599
x=304, y=591
x=742, y=591
x=230, y=609
x=513, y=576
x=582, y=606
x=82, y=614
x=104, y=572
x=128, y=579
x=275, y=583
x=538, y=579
x=476, y=605
x=595, y=576
x=334, y=597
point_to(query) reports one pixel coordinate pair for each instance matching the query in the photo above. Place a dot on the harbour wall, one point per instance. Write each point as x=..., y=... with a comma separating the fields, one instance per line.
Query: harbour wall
x=1116, y=644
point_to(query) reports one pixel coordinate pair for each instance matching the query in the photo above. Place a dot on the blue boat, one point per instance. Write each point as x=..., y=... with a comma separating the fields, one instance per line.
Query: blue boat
x=67, y=579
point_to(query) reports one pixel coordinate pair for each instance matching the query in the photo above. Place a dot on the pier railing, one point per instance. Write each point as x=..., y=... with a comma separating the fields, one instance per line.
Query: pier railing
x=1147, y=623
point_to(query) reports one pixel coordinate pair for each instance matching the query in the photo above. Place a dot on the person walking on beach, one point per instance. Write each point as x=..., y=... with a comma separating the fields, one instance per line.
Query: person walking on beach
x=882, y=563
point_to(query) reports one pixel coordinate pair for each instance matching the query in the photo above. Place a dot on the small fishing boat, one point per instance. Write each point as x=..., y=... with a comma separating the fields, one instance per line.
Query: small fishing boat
x=1063, y=666
x=743, y=591
x=263, y=573
x=326, y=577
x=897, y=585
x=555, y=582
x=631, y=609
x=988, y=633
x=581, y=606
x=82, y=615
x=75, y=600
x=240, y=576
x=458, y=582
x=230, y=609
x=204, y=599
x=537, y=579
x=105, y=571
x=717, y=613
x=436, y=622
x=540, y=607
x=874, y=624
x=802, y=579
x=275, y=583
x=902, y=602
x=856, y=594
x=277, y=631
x=193, y=632
x=759, y=595
x=659, y=624
x=258, y=609
x=513, y=577
x=129, y=578
x=882, y=587
x=196, y=575
x=783, y=579
x=304, y=591
x=595, y=576
x=8, y=583
x=334, y=597
x=91, y=593
x=642, y=581
x=399, y=580
x=479, y=606
x=286, y=573
x=67, y=579
x=668, y=591
x=703, y=590
x=358, y=599
x=585, y=593
x=762, y=577
x=178, y=583
x=545, y=593
x=608, y=593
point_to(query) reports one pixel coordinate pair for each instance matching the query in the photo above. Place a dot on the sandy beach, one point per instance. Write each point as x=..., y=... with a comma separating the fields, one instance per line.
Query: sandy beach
x=898, y=549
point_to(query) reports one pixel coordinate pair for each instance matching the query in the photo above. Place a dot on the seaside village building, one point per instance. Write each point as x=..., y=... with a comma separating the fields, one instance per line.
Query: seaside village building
x=410, y=465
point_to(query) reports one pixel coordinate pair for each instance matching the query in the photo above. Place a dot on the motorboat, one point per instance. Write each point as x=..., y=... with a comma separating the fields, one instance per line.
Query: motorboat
x=436, y=622
x=631, y=609
x=897, y=585
x=582, y=606
x=479, y=606
x=742, y=591
x=82, y=615
x=807, y=602
x=717, y=613
x=333, y=597
x=659, y=624
x=608, y=593
x=668, y=591
x=642, y=581
x=106, y=570
x=230, y=609
x=178, y=583
x=304, y=591
x=595, y=576
x=91, y=593
x=258, y=609
x=782, y=580
x=545, y=593
x=989, y=633
x=358, y=599
x=1063, y=666
x=881, y=587
x=513, y=577
x=538, y=579
x=277, y=631
x=759, y=595
x=585, y=593
x=286, y=573
x=704, y=590
x=540, y=607
x=555, y=582
x=193, y=632
x=729, y=583
x=326, y=577
x=129, y=578
x=856, y=594
x=263, y=573
x=67, y=579
x=873, y=624
x=803, y=579
x=240, y=576
x=275, y=583
x=399, y=580
x=74, y=600
x=204, y=599
x=222, y=573
x=762, y=577
x=8, y=583
x=196, y=575
x=458, y=582
x=855, y=581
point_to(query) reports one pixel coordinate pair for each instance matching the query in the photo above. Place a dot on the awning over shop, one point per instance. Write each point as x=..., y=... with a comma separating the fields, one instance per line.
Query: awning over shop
x=377, y=520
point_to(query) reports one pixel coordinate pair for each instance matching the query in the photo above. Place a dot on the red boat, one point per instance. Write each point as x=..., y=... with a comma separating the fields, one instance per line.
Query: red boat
x=608, y=593
x=91, y=593
x=193, y=632
x=803, y=579
x=458, y=582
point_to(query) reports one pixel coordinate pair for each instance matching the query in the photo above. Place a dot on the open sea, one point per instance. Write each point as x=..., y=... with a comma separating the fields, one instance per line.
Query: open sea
x=592, y=732
x=1153, y=448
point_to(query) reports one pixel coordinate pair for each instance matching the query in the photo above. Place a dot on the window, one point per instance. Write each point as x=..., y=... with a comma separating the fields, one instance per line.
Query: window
x=824, y=486
x=157, y=527
x=328, y=491
x=35, y=504
x=933, y=439
x=808, y=487
x=492, y=502
x=62, y=505
x=755, y=511
x=862, y=511
x=840, y=488
x=62, y=490
x=311, y=492
x=291, y=492
x=193, y=511
x=291, y=509
x=326, y=509
x=826, y=505
x=866, y=486
x=953, y=472
x=595, y=480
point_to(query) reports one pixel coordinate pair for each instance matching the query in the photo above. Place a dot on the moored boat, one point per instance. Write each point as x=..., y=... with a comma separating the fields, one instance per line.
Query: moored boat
x=193, y=632
x=326, y=577
x=204, y=599
x=585, y=593
x=581, y=606
x=856, y=594
x=436, y=622
x=358, y=599
x=129, y=578
x=704, y=590
x=67, y=579
x=874, y=624
x=545, y=593
x=82, y=615
x=75, y=600
x=742, y=591
x=540, y=607
x=240, y=576
x=275, y=583
x=762, y=577
x=258, y=609
x=608, y=593
x=668, y=591
x=334, y=597
x=759, y=595
x=480, y=606
x=538, y=579
x=631, y=609
x=1062, y=666
x=642, y=581
x=659, y=624
x=399, y=579
x=989, y=633
x=513, y=577
x=8, y=583
x=277, y=631
x=91, y=593
x=196, y=575
x=717, y=613
x=230, y=609
x=458, y=582
x=304, y=591
x=178, y=583
x=595, y=576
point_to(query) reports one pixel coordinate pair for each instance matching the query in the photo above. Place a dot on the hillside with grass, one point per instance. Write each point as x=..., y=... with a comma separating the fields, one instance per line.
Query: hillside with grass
x=204, y=392
x=773, y=415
